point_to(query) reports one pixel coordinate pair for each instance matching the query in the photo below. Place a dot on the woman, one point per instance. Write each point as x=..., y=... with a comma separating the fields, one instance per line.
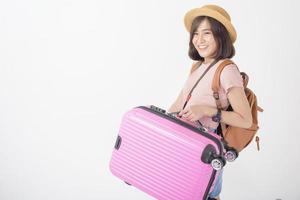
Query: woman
x=211, y=42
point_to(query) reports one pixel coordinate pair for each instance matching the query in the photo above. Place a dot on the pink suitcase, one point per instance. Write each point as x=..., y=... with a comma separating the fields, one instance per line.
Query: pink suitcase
x=165, y=157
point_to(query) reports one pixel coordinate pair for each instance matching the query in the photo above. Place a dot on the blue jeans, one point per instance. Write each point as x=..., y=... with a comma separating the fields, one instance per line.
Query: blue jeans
x=219, y=179
x=217, y=186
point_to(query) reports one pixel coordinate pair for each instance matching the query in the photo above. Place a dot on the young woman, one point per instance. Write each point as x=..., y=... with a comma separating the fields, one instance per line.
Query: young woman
x=211, y=42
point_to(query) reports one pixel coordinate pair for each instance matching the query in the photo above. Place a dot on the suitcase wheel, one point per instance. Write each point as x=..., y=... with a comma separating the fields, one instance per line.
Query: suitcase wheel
x=218, y=163
x=231, y=155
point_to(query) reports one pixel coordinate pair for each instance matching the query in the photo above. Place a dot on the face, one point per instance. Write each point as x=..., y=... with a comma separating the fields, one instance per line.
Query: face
x=204, y=40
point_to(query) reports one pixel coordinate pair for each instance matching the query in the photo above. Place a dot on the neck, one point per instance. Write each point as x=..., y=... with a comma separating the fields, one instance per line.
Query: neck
x=208, y=60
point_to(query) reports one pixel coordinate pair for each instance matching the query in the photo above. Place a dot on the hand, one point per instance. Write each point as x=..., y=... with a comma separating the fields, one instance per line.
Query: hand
x=196, y=112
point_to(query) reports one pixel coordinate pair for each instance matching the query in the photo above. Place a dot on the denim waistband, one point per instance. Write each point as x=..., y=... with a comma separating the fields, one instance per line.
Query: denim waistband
x=212, y=130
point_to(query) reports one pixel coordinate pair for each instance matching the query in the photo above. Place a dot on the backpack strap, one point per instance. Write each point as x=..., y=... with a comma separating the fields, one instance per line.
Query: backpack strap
x=216, y=81
x=260, y=109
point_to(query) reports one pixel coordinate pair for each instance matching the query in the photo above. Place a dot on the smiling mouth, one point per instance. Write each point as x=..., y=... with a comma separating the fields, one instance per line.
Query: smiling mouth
x=202, y=47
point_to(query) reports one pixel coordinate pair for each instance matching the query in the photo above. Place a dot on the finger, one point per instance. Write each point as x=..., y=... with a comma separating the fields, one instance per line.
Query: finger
x=182, y=112
x=191, y=117
x=186, y=115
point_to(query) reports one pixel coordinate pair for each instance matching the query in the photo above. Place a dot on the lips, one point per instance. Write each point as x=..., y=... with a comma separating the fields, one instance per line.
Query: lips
x=201, y=47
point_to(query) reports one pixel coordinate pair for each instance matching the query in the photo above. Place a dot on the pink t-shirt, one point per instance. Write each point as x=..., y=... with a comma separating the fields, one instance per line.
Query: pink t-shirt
x=203, y=94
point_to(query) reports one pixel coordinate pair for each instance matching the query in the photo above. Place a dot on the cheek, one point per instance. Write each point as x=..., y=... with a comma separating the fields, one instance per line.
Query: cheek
x=194, y=40
x=213, y=44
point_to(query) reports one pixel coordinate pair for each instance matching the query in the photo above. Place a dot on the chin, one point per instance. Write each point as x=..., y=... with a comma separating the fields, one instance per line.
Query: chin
x=203, y=55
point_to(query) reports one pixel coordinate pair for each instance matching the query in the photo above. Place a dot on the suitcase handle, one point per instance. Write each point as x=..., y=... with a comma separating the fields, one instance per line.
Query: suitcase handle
x=175, y=115
x=118, y=142
x=157, y=109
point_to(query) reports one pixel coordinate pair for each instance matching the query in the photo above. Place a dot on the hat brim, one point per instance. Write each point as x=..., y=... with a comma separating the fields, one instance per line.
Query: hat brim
x=192, y=14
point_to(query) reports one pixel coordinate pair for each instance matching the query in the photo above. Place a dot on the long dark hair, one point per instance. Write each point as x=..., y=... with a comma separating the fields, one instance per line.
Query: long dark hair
x=225, y=48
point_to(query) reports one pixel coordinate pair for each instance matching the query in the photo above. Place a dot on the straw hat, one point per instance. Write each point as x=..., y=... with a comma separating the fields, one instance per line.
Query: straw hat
x=213, y=11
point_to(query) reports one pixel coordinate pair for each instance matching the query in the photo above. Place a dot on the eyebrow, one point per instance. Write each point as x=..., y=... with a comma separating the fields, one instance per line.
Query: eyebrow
x=206, y=29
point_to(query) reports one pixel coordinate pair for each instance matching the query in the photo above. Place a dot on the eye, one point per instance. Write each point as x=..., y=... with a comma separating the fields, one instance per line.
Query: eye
x=207, y=33
x=195, y=33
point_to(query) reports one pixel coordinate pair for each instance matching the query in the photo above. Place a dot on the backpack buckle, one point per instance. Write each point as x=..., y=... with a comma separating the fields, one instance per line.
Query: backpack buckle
x=216, y=95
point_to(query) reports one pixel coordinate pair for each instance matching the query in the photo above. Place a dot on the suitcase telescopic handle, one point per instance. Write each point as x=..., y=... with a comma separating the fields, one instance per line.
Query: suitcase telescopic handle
x=157, y=109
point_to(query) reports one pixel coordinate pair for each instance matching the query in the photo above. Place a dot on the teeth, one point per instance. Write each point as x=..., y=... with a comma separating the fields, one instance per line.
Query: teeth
x=202, y=47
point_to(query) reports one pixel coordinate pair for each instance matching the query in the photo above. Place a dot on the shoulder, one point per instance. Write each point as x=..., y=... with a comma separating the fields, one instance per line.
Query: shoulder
x=227, y=66
x=195, y=66
x=231, y=77
x=228, y=63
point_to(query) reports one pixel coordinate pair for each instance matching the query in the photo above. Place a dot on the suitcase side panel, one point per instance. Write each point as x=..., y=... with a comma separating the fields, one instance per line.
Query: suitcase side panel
x=161, y=157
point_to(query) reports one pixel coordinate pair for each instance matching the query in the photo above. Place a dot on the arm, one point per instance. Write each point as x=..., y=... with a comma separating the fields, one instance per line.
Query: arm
x=239, y=117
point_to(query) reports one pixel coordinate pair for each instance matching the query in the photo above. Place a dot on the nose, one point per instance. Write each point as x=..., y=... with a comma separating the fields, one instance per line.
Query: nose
x=199, y=39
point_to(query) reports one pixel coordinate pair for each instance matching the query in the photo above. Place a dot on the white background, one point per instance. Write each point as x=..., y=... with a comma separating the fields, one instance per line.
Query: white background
x=70, y=69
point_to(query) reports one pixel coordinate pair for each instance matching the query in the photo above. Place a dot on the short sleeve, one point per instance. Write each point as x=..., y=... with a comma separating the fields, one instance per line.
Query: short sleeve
x=231, y=77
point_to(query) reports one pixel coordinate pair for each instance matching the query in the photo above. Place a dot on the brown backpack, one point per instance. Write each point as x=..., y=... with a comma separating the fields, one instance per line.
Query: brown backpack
x=237, y=138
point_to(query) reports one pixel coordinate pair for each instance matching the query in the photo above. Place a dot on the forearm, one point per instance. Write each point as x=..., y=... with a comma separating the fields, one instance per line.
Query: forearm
x=174, y=108
x=232, y=118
